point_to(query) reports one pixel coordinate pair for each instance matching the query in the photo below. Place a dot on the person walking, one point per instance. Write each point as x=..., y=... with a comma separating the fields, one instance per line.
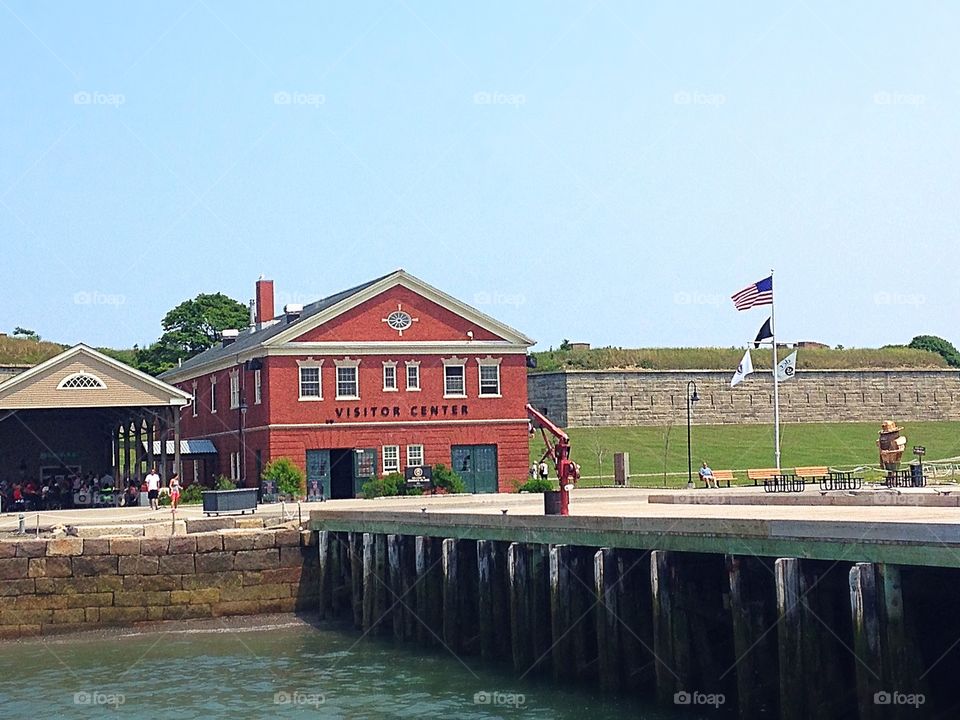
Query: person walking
x=174, y=490
x=153, y=488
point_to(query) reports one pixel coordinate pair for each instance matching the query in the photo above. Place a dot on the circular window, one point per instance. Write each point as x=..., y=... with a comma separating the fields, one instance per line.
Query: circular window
x=399, y=320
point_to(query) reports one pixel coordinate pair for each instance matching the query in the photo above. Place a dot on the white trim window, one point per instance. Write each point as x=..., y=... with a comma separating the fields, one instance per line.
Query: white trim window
x=391, y=459
x=234, y=466
x=348, y=379
x=81, y=381
x=489, y=376
x=454, y=377
x=414, y=455
x=413, y=375
x=390, y=376
x=310, y=379
x=234, y=389
x=193, y=400
x=257, y=387
x=213, y=394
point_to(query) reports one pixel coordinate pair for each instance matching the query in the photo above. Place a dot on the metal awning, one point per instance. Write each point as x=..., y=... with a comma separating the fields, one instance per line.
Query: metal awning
x=187, y=447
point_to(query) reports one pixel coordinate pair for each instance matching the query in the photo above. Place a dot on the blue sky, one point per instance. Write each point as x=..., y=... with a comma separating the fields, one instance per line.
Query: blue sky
x=609, y=172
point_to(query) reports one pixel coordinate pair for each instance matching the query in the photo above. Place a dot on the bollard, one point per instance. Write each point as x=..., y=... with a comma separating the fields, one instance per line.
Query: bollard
x=22, y=528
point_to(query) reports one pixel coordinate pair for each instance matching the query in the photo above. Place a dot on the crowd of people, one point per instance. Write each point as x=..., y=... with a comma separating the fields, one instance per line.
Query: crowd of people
x=67, y=491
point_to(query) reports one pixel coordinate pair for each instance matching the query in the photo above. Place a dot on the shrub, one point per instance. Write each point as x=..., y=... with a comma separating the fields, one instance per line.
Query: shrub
x=192, y=494
x=386, y=486
x=536, y=485
x=225, y=483
x=446, y=479
x=288, y=477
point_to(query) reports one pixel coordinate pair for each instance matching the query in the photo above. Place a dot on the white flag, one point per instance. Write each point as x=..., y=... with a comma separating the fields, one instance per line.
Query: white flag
x=787, y=367
x=743, y=369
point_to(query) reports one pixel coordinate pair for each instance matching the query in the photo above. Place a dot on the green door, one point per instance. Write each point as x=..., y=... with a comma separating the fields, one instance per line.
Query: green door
x=318, y=473
x=364, y=468
x=477, y=465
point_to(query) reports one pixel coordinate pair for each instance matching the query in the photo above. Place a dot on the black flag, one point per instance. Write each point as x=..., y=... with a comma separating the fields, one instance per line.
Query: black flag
x=766, y=333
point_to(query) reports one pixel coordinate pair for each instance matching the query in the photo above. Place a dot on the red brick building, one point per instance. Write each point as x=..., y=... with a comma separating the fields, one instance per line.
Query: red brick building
x=389, y=374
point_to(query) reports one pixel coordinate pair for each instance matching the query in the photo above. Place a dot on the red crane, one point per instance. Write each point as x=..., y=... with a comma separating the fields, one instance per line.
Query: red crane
x=558, y=450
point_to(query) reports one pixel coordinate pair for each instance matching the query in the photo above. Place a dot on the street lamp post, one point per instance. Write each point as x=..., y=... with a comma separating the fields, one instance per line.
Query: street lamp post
x=691, y=398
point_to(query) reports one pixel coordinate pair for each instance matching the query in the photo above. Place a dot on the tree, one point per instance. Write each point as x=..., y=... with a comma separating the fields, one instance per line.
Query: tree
x=288, y=477
x=942, y=347
x=565, y=345
x=25, y=333
x=190, y=328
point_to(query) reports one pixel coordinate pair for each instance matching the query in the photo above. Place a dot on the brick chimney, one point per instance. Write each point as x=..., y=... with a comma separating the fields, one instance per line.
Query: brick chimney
x=264, y=298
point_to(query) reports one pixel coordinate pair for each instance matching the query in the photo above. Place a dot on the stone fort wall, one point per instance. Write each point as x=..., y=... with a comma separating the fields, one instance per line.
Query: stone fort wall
x=592, y=398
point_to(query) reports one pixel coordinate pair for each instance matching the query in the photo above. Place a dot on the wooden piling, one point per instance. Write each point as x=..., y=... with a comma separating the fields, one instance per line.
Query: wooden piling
x=562, y=655
x=519, y=607
x=608, y=625
x=493, y=600
x=324, y=575
x=452, y=636
x=635, y=607
x=429, y=591
x=369, y=581
x=753, y=614
x=355, y=551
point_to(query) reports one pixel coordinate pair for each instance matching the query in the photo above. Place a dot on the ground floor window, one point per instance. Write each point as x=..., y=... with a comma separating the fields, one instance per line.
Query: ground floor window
x=391, y=459
x=414, y=455
x=234, y=466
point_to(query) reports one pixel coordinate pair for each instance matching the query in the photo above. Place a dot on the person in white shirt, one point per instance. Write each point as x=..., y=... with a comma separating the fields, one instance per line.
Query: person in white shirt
x=153, y=488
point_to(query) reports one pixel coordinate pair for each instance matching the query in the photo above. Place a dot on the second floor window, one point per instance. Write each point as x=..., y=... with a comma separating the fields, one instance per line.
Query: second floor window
x=413, y=376
x=310, y=382
x=257, y=388
x=213, y=394
x=389, y=376
x=234, y=390
x=453, y=381
x=347, y=386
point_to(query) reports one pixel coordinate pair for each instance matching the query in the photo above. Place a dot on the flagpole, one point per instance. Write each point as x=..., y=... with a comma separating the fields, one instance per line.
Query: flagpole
x=776, y=382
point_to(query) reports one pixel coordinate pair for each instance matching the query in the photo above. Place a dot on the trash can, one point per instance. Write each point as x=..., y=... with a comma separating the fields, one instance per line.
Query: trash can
x=551, y=502
x=916, y=475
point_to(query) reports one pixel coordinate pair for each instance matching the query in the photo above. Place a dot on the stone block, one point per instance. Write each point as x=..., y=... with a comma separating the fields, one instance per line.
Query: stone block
x=209, y=542
x=177, y=564
x=240, y=539
x=88, y=531
x=291, y=556
x=260, y=592
x=12, y=588
x=256, y=559
x=50, y=567
x=68, y=585
x=39, y=602
x=203, y=525
x=96, y=546
x=197, y=597
x=109, y=583
x=184, y=612
x=155, y=612
x=153, y=582
x=124, y=546
x=13, y=568
x=89, y=600
x=165, y=529
x=249, y=522
x=122, y=615
x=154, y=545
x=94, y=565
x=91, y=614
x=287, y=537
x=182, y=545
x=25, y=616
x=8, y=548
x=139, y=565
x=31, y=548
x=73, y=615
x=252, y=577
x=244, y=607
x=65, y=546
x=220, y=580
x=289, y=575
x=213, y=562
x=132, y=598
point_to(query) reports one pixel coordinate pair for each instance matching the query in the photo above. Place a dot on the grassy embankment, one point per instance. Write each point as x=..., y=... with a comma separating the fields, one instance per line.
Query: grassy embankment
x=655, y=450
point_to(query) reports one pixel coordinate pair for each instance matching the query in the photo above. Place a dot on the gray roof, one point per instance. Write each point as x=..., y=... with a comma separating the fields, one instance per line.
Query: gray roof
x=248, y=340
x=187, y=447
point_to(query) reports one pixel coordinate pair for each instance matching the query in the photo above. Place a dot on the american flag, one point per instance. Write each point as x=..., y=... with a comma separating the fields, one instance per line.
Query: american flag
x=760, y=293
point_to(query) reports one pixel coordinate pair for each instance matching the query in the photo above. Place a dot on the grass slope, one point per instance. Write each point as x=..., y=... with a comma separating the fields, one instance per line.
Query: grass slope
x=739, y=447
x=729, y=358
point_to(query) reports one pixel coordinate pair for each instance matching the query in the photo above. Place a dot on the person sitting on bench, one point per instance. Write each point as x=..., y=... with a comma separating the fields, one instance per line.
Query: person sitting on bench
x=706, y=474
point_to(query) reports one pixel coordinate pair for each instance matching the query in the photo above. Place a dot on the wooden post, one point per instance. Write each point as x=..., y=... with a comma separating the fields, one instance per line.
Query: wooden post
x=864, y=606
x=560, y=614
x=609, y=659
x=429, y=591
x=338, y=559
x=381, y=589
x=395, y=572
x=519, y=607
x=325, y=578
x=369, y=582
x=355, y=543
x=671, y=637
x=451, y=597
x=493, y=600
x=538, y=570
x=753, y=614
x=636, y=615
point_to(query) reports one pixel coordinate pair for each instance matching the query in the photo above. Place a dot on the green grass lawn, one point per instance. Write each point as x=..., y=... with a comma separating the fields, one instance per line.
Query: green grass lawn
x=738, y=447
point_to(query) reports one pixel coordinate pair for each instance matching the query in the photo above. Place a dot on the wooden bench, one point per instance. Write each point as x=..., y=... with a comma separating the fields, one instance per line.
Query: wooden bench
x=762, y=474
x=723, y=476
x=812, y=473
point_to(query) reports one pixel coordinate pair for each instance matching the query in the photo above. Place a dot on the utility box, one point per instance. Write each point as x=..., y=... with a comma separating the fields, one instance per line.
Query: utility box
x=621, y=469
